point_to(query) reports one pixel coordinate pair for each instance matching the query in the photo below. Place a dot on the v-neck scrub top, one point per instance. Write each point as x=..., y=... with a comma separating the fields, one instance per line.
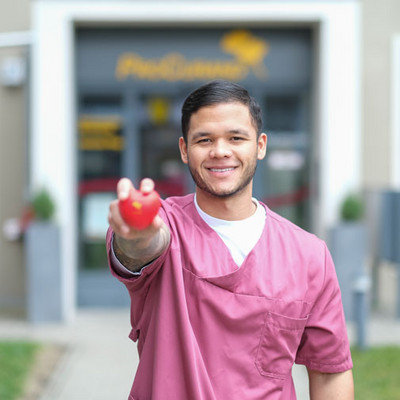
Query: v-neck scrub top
x=209, y=330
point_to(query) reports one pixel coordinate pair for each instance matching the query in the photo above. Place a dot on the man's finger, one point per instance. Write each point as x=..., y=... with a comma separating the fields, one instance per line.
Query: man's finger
x=124, y=187
x=146, y=185
x=115, y=220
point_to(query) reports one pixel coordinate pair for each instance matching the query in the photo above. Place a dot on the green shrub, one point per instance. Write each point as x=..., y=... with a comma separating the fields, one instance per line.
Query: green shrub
x=43, y=205
x=352, y=208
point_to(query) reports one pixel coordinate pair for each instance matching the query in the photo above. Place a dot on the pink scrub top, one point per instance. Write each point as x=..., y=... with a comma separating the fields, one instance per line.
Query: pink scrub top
x=207, y=329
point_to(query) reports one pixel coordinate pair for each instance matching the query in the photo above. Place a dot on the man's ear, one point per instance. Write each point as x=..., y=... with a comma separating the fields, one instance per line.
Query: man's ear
x=262, y=146
x=183, y=149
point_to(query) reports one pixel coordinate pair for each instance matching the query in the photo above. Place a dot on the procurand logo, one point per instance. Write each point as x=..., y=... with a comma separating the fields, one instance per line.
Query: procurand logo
x=248, y=54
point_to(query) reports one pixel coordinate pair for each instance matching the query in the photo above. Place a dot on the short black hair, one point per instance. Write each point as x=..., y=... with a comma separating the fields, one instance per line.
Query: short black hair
x=218, y=92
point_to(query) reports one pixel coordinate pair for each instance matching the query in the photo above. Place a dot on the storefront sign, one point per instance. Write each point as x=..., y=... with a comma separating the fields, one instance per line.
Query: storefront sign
x=248, y=53
x=100, y=133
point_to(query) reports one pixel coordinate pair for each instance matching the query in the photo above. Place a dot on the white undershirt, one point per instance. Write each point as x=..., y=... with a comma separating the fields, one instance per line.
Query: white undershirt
x=239, y=236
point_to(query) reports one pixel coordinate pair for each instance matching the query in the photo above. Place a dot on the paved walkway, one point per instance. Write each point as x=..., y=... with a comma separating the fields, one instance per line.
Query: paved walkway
x=100, y=360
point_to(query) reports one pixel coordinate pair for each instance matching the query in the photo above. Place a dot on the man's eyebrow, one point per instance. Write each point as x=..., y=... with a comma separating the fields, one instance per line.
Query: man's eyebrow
x=200, y=134
x=242, y=132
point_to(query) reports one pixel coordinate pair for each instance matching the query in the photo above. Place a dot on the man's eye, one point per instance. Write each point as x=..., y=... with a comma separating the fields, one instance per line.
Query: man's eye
x=204, y=141
x=237, y=138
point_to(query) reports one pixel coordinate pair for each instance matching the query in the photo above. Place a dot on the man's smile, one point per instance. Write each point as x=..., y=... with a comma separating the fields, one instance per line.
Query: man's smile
x=226, y=169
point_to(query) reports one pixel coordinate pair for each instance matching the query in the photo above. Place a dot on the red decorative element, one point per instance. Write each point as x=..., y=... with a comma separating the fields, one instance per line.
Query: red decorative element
x=97, y=185
x=166, y=187
x=28, y=215
x=288, y=199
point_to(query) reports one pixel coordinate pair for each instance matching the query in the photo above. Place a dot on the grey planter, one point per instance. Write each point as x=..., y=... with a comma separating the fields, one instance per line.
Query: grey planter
x=348, y=246
x=44, y=291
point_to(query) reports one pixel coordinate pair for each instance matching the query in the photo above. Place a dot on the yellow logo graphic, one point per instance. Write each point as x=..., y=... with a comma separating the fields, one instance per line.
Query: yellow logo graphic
x=247, y=50
x=158, y=109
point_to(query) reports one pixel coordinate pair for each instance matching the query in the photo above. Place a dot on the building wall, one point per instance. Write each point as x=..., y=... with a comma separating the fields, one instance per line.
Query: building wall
x=381, y=145
x=381, y=23
x=14, y=16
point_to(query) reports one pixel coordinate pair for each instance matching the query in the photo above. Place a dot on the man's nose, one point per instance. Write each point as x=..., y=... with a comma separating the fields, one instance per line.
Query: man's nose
x=220, y=149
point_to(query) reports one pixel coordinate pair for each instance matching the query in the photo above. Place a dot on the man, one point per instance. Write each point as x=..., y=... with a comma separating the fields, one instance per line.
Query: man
x=227, y=295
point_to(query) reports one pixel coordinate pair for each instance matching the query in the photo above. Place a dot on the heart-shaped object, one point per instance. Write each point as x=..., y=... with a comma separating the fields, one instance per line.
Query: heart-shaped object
x=139, y=209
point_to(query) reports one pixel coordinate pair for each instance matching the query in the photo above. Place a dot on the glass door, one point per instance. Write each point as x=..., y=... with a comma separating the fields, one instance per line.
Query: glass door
x=101, y=141
x=283, y=179
x=159, y=131
x=135, y=135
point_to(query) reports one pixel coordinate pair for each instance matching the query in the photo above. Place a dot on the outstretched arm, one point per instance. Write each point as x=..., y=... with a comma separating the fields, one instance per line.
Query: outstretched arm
x=336, y=386
x=135, y=248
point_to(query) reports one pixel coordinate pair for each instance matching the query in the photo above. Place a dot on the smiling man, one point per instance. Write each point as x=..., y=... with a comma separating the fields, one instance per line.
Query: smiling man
x=227, y=295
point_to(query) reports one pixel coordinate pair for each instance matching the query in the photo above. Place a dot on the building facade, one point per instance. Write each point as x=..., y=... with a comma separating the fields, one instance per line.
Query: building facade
x=108, y=79
x=15, y=42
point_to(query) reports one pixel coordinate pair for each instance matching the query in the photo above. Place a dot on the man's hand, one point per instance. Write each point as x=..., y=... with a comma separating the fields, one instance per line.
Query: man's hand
x=135, y=248
x=119, y=226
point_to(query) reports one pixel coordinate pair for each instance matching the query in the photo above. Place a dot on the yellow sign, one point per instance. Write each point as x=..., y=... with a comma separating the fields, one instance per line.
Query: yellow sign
x=158, y=109
x=100, y=133
x=248, y=55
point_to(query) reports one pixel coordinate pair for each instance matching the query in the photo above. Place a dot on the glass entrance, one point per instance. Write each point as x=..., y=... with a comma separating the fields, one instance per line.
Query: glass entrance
x=131, y=85
x=113, y=144
x=101, y=128
x=283, y=179
x=159, y=131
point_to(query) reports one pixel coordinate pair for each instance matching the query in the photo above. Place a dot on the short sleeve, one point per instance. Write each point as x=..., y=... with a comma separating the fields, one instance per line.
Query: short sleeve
x=324, y=346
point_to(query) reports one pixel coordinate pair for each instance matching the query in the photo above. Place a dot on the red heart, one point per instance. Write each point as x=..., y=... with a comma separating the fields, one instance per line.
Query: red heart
x=139, y=209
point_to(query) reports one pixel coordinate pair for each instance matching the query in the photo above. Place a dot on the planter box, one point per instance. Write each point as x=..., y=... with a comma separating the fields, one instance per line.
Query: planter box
x=44, y=294
x=348, y=246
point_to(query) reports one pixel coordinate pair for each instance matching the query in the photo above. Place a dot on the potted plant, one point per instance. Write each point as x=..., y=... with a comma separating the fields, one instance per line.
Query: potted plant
x=43, y=261
x=42, y=205
x=352, y=208
x=348, y=245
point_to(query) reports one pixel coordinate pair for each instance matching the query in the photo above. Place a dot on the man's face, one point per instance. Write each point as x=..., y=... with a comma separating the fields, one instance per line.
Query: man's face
x=222, y=149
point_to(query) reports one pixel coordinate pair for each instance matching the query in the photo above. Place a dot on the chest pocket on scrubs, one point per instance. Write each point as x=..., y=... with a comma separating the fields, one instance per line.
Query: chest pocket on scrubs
x=278, y=345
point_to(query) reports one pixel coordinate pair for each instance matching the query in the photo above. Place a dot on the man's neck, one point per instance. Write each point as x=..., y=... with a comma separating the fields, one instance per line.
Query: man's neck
x=232, y=208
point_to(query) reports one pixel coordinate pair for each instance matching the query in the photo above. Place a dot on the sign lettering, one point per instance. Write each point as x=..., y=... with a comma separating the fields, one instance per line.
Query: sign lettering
x=247, y=50
x=101, y=133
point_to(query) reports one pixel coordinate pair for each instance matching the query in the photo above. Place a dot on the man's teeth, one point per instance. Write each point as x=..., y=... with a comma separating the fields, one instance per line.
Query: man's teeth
x=221, y=169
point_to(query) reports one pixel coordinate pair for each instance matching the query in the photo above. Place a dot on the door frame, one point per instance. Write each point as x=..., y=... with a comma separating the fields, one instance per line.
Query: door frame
x=53, y=142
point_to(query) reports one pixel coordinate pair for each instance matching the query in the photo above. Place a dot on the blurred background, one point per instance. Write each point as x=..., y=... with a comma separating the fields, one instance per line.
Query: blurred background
x=91, y=91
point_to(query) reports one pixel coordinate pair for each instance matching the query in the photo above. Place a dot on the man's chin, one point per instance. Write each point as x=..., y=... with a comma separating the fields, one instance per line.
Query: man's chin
x=221, y=193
